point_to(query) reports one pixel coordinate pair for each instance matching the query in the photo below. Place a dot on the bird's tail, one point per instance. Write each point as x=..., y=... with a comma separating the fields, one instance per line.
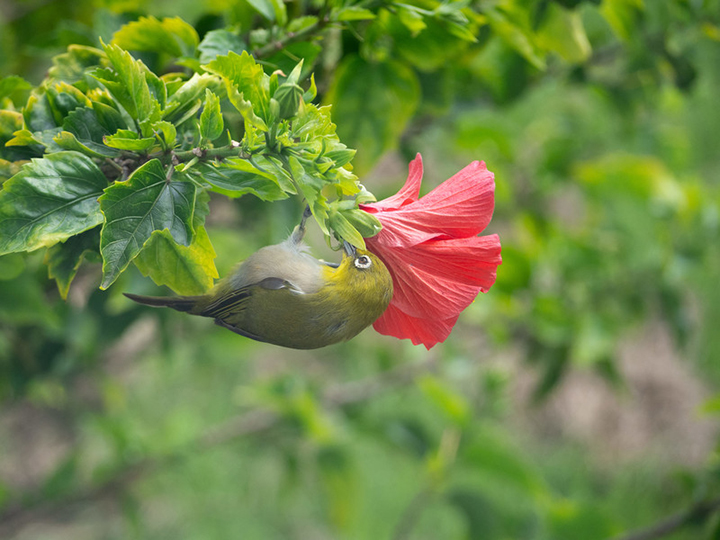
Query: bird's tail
x=180, y=303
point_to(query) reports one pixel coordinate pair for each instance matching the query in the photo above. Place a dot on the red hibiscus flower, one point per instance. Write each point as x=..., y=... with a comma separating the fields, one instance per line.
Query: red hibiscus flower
x=431, y=248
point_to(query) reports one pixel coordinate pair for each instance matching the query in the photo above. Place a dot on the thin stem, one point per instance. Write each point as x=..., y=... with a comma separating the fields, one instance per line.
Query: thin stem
x=412, y=514
x=209, y=153
x=697, y=513
x=277, y=45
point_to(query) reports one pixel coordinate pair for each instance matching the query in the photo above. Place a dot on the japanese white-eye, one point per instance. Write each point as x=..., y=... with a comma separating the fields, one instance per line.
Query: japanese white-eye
x=283, y=295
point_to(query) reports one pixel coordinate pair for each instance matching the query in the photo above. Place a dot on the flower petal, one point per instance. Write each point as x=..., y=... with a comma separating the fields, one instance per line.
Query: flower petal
x=429, y=332
x=440, y=278
x=461, y=206
x=409, y=193
x=431, y=249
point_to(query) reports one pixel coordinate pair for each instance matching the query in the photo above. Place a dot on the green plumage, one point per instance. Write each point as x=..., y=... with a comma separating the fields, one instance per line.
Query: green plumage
x=282, y=295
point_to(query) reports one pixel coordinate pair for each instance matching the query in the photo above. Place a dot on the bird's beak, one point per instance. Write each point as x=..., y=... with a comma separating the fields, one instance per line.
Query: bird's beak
x=349, y=248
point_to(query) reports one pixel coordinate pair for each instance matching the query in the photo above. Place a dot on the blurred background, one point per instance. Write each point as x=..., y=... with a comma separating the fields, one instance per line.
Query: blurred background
x=577, y=400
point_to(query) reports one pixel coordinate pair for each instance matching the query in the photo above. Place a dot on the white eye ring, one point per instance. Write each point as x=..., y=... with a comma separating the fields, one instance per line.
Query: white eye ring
x=363, y=262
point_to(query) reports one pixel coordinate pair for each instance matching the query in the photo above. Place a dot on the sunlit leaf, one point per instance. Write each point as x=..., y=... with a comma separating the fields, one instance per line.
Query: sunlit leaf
x=128, y=140
x=219, y=43
x=187, y=270
x=128, y=83
x=354, y=13
x=211, y=120
x=68, y=141
x=247, y=78
x=237, y=177
x=170, y=35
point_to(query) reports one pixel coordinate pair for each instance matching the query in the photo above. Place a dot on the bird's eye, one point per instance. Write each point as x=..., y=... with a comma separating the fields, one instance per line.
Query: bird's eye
x=363, y=262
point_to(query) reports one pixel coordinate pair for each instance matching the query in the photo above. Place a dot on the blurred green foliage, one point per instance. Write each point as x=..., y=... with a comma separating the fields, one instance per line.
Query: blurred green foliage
x=599, y=119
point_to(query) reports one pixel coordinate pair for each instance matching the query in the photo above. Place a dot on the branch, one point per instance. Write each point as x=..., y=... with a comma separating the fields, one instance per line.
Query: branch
x=697, y=513
x=208, y=153
x=15, y=515
x=291, y=37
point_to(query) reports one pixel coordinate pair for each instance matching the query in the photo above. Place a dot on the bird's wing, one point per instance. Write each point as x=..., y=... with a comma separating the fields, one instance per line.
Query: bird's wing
x=235, y=300
x=238, y=330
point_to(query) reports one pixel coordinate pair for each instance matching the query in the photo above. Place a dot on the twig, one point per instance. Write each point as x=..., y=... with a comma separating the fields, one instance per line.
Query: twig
x=14, y=516
x=697, y=513
x=412, y=514
x=291, y=37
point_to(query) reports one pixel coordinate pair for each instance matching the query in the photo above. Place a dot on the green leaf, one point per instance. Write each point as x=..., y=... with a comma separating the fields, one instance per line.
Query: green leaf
x=128, y=140
x=344, y=229
x=14, y=88
x=272, y=10
x=166, y=133
x=171, y=36
x=365, y=223
x=236, y=177
x=562, y=31
x=426, y=43
x=8, y=169
x=411, y=18
x=188, y=97
x=64, y=259
x=372, y=104
x=622, y=15
x=10, y=124
x=354, y=13
x=273, y=166
x=84, y=132
x=128, y=84
x=63, y=99
x=516, y=37
x=211, y=120
x=50, y=200
x=72, y=65
x=298, y=24
x=187, y=270
x=23, y=137
x=134, y=209
x=68, y=141
x=44, y=138
x=37, y=114
x=311, y=185
x=158, y=91
x=312, y=91
x=218, y=43
x=248, y=80
x=109, y=118
x=84, y=124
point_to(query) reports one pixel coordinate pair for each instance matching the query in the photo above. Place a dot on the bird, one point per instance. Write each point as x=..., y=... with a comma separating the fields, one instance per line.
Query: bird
x=283, y=295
